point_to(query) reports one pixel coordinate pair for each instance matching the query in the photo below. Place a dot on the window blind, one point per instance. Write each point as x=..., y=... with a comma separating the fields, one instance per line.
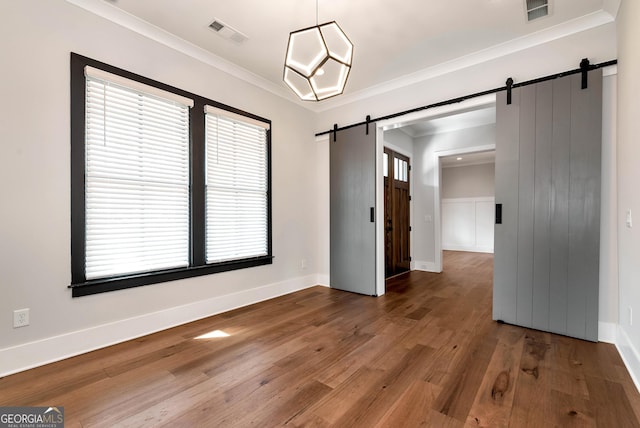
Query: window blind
x=136, y=180
x=236, y=186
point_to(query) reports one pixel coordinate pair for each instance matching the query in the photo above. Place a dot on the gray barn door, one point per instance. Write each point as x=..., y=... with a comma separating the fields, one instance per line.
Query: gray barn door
x=548, y=150
x=353, y=233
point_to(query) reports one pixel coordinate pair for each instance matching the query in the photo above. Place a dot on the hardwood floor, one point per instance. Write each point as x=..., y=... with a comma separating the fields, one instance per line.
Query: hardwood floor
x=425, y=354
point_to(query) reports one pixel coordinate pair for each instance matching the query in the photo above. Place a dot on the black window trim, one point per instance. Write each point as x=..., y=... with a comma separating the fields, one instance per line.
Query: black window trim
x=197, y=258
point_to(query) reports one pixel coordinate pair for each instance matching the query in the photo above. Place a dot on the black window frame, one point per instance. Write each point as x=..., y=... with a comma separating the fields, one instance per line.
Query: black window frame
x=80, y=286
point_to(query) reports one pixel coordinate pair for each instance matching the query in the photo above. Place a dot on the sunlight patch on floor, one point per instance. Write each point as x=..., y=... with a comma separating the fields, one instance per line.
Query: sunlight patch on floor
x=213, y=334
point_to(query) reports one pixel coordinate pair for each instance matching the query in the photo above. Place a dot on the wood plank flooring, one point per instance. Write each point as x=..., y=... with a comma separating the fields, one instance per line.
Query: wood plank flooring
x=425, y=354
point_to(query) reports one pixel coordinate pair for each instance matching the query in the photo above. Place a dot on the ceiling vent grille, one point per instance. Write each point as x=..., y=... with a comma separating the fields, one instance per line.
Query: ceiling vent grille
x=537, y=9
x=227, y=31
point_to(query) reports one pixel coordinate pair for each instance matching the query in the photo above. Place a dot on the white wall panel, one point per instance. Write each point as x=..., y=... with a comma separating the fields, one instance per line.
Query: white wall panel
x=485, y=219
x=467, y=224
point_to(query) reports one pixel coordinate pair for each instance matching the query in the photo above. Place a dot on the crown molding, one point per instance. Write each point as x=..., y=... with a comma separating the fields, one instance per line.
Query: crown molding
x=131, y=22
x=472, y=163
x=611, y=7
x=547, y=35
x=114, y=14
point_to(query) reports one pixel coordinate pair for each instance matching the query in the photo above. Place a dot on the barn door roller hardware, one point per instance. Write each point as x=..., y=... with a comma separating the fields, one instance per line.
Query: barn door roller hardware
x=584, y=67
x=509, y=87
x=368, y=121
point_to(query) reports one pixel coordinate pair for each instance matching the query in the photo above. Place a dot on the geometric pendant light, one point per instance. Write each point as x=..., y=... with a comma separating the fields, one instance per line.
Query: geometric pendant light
x=318, y=61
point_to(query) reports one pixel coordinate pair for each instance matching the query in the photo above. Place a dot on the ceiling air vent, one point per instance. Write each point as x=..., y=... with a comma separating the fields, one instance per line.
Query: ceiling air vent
x=227, y=32
x=537, y=9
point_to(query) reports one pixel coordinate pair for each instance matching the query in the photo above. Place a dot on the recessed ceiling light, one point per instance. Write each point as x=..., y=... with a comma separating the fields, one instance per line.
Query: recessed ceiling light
x=458, y=158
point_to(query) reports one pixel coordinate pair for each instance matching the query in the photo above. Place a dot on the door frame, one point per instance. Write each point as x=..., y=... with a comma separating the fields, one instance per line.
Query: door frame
x=397, y=122
x=437, y=194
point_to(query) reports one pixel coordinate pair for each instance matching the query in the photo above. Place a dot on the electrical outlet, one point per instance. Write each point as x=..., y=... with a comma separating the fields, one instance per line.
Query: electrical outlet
x=629, y=219
x=303, y=264
x=21, y=318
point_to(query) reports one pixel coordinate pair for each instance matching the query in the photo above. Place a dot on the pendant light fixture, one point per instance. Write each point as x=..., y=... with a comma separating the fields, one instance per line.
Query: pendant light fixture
x=318, y=61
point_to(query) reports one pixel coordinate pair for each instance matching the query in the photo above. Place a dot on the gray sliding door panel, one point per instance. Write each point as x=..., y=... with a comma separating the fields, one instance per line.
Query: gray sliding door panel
x=352, y=195
x=525, y=185
x=559, y=243
x=506, y=190
x=584, y=207
x=542, y=202
x=546, y=261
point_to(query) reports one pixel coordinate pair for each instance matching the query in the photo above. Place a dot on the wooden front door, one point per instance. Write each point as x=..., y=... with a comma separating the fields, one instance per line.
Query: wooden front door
x=396, y=209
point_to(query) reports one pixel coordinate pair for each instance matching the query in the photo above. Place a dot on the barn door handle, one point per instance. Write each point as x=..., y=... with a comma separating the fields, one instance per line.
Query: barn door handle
x=498, y=213
x=373, y=215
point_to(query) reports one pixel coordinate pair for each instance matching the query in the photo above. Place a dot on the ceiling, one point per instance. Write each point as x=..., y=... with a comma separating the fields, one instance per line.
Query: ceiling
x=449, y=123
x=394, y=40
x=468, y=159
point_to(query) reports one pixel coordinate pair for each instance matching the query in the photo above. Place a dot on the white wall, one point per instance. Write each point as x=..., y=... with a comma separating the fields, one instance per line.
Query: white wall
x=36, y=38
x=467, y=224
x=467, y=207
x=468, y=181
x=628, y=134
x=399, y=141
x=608, y=299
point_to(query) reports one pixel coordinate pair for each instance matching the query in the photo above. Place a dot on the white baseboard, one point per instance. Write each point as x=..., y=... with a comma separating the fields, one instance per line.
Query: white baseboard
x=324, y=280
x=607, y=332
x=467, y=249
x=424, y=266
x=630, y=355
x=29, y=355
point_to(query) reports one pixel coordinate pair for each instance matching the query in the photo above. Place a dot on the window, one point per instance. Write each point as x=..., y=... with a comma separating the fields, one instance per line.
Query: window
x=236, y=187
x=136, y=179
x=385, y=164
x=165, y=184
x=400, y=170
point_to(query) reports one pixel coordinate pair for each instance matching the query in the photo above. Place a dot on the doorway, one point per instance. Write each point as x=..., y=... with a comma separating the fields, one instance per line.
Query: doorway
x=468, y=202
x=425, y=232
x=397, y=256
x=426, y=179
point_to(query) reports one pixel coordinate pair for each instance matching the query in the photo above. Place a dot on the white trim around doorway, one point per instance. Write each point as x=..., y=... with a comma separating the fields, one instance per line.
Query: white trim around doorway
x=398, y=122
x=437, y=202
